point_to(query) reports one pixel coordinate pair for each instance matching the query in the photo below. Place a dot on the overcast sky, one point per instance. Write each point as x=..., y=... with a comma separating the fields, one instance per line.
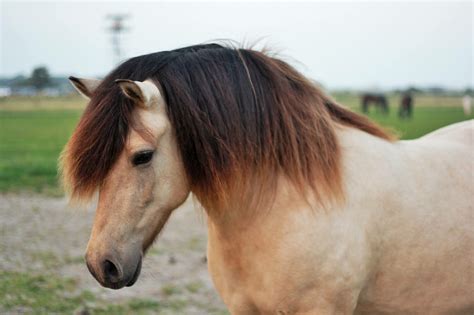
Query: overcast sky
x=340, y=44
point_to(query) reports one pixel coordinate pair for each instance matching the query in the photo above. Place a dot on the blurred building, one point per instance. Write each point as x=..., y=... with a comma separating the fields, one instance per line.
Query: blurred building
x=5, y=91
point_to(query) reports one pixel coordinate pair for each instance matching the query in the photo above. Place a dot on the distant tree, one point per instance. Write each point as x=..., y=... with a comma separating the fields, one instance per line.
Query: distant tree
x=40, y=78
x=16, y=81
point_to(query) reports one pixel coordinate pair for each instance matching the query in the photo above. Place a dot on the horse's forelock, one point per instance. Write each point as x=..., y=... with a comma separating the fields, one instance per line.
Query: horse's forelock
x=97, y=141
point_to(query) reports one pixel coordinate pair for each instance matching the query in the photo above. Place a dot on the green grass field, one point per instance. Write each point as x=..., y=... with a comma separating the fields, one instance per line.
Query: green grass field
x=34, y=131
x=40, y=294
x=30, y=143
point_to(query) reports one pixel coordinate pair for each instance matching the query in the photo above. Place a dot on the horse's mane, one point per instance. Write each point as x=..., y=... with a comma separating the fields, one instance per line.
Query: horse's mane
x=242, y=119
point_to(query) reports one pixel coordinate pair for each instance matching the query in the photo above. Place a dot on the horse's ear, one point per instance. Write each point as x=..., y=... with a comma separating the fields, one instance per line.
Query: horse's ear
x=142, y=93
x=85, y=87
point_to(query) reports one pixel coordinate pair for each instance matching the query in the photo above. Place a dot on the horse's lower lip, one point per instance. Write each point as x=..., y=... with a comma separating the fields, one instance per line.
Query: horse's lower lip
x=136, y=274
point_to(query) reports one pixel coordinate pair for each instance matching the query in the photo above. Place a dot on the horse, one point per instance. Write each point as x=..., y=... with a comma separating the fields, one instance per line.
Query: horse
x=406, y=106
x=378, y=100
x=311, y=208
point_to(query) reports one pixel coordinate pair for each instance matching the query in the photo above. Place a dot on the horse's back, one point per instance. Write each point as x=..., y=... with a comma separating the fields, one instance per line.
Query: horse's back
x=445, y=159
x=426, y=266
x=462, y=132
x=453, y=146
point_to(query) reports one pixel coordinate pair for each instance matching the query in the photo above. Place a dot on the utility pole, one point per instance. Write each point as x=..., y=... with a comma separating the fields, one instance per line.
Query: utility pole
x=116, y=29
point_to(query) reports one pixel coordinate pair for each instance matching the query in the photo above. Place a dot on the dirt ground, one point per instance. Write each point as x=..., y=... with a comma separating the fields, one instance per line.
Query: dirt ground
x=43, y=235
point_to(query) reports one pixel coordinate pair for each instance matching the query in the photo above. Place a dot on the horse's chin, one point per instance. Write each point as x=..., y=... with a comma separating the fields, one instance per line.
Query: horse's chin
x=136, y=274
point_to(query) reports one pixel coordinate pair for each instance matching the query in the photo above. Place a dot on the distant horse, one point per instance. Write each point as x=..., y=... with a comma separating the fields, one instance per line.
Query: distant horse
x=406, y=106
x=311, y=208
x=378, y=100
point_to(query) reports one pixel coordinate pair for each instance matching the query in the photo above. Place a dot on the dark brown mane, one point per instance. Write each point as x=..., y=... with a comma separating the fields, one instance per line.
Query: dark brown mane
x=242, y=119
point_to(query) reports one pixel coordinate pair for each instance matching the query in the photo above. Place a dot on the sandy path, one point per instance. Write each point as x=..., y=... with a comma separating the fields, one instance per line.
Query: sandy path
x=42, y=234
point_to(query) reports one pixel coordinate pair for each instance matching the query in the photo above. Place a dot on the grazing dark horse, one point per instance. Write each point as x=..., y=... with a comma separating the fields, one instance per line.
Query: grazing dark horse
x=406, y=106
x=379, y=100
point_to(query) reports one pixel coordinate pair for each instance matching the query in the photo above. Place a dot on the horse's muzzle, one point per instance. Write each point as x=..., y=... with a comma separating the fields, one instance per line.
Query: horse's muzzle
x=113, y=272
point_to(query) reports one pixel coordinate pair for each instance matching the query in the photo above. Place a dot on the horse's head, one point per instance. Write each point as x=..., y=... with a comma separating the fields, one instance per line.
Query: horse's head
x=144, y=184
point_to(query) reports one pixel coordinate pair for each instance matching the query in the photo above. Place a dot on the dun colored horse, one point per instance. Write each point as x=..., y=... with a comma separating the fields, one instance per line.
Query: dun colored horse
x=312, y=209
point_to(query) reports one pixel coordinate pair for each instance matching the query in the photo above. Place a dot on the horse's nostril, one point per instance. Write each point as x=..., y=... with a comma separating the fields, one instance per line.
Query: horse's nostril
x=111, y=271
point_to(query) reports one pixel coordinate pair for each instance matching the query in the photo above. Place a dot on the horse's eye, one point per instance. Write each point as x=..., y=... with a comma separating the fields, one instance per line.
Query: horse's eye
x=142, y=157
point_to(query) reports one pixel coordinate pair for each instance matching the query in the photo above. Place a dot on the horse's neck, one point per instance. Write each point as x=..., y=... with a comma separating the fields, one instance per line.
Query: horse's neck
x=231, y=222
x=365, y=158
x=245, y=251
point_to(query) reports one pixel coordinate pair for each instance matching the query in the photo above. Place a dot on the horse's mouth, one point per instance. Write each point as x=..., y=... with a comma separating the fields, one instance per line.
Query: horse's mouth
x=136, y=274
